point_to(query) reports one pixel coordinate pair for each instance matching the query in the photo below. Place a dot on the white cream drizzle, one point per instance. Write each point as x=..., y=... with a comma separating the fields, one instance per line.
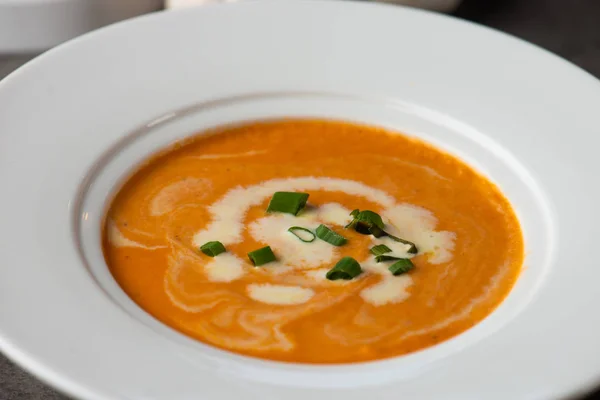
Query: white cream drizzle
x=318, y=275
x=391, y=289
x=279, y=294
x=388, y=290
x=334, y=214
x=226, y=267
x=417, y=225
x=429, y=170
x=166, y=199
x=290, y=251
x=117, y=239
x=228, y=213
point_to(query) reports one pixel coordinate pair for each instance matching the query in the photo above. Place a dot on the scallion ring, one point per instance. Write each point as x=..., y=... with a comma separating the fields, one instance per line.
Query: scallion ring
x=303, y=234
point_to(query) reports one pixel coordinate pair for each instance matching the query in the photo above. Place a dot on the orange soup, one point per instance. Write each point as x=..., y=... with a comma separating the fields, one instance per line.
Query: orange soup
x=402, y=246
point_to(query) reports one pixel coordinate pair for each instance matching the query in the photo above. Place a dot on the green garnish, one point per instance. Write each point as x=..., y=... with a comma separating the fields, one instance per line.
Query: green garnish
x=301, y=233
x=401, y=266
x=287, y=202
x=347, y=268
x=376, y=231
x=326, y=234
x=413, y=247
x=353, y=214
x=213, y=249
x=384, y=257
x=370, y=223
x=380, y=249
x=369, y=218
x=380, y=252
x=363, y=221
x=261, y=256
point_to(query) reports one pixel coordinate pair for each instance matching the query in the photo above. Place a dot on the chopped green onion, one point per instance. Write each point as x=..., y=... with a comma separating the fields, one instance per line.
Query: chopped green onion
x=365, y=220
x=326, y=234
x=287, y=202
x=413, y=247
x=380, y=249
x=380, y=252
x=401, y=266
x=375, y=231
x=370, y=218
x=363, y=228
x=353, y=214
x=213, y=249
x=261, y=256
x=370, y=223
x=347, y=268
x=384, y=257
x=297, y=231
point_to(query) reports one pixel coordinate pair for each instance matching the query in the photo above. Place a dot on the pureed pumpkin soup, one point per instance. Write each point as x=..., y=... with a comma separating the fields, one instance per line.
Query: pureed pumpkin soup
x=312, y=241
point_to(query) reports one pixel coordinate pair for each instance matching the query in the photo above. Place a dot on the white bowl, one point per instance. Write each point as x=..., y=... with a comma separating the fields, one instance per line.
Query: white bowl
x=74, y=122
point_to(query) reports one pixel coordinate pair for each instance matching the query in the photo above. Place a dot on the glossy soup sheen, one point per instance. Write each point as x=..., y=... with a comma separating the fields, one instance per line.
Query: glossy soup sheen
x=216, y=186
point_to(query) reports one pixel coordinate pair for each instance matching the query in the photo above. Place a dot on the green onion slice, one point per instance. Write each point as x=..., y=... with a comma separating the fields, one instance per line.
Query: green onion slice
x=383, y=257
x=305, y=235
x=413, y=247
x=287, y=202
x=326, y=234
x=363, y=221
x=213, y=249
x=370, y=218
x=363, y=228
x=376, y=231
x=261, y=256
x=370, y=223
x=347, y=268
x=401, y=266
x=380, y=249
x=353, y=214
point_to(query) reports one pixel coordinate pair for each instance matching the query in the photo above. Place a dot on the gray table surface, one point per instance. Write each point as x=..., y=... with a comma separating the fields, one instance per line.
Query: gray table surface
x=569, y=28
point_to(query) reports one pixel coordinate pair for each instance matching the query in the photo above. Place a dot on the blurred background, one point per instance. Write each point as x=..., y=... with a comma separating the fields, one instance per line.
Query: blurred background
x=569, y=28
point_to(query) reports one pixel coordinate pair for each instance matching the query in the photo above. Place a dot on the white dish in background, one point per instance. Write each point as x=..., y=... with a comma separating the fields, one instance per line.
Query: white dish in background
x=31, y=26
x=74, y=121
x=437, y=5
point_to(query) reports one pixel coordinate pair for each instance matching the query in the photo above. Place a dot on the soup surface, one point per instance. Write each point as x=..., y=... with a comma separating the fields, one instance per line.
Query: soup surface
x=217, y=186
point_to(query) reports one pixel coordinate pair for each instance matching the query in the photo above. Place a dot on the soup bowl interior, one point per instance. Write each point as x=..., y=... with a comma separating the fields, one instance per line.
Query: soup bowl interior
x=482, y=153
